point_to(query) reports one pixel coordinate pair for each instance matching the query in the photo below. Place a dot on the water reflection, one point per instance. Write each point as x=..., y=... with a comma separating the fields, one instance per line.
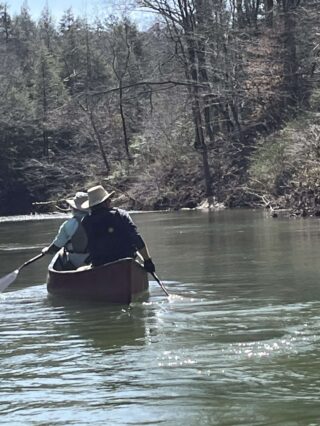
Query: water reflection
x=105, y=327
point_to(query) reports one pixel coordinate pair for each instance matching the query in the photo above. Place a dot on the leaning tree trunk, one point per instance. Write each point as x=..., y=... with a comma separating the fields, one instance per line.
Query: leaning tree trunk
x=290, y=64
x=200, y=143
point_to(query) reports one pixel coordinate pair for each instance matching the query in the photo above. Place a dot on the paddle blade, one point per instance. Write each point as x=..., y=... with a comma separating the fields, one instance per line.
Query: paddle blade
x=8, y=279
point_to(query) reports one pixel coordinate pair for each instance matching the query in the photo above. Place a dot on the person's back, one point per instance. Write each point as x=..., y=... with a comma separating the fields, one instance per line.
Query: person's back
x=72, y=236
x=109, y=235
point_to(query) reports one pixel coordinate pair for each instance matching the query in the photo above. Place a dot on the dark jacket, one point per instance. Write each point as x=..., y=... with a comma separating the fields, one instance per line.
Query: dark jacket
x=112, y=235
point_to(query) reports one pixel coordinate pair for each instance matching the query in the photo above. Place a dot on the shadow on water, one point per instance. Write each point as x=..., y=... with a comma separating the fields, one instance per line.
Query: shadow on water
x=105, y=327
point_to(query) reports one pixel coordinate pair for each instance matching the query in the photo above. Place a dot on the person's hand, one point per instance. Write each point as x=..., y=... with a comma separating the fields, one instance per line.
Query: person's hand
x=52, y=249
x=149, y=266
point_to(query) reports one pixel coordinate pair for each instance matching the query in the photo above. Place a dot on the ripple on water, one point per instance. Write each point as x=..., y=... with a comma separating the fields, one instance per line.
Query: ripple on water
x=181, y=356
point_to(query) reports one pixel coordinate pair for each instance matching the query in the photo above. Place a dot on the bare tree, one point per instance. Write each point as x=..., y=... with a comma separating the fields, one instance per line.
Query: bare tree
x=206, y=47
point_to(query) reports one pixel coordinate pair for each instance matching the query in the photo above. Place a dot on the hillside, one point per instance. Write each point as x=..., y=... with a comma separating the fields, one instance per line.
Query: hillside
x=203, y=105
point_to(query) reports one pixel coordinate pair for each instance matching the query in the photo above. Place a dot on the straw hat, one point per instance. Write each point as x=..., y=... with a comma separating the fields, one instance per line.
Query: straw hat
x=96, y=194
x=77, y=201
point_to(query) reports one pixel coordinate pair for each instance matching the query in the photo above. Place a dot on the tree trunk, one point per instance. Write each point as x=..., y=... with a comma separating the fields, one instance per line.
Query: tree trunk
x=268, y=8
x=44, y=111
x=123, y=120
x=98, y=137
x=200, y=143
x=290, y=64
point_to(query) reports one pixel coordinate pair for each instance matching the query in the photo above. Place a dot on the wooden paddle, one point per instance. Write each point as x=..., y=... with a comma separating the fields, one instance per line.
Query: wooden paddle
x=10, y=278
x=155, y=277
x=160, y=283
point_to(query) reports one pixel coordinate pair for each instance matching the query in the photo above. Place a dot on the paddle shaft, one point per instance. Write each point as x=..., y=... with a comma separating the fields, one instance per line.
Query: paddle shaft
x=156, y=277
x=10, y=278
x=31, y=261
x=160, y=283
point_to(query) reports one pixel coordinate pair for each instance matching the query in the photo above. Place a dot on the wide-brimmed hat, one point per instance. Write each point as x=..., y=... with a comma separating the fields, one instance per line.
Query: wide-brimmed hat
x=96, y=194
x=77, y=201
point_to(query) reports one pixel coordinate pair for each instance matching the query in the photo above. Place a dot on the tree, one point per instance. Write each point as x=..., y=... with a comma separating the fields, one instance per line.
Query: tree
x=122, y=43
x=47, y=32
x=205, y=44
x=72, y=50
x=5, y=22
x=49, y=92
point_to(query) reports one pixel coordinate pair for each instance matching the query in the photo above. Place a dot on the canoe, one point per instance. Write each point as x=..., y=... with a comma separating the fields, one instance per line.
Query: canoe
x=116, y=282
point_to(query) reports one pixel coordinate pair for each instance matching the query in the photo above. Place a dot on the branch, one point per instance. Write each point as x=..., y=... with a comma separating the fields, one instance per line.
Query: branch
x=114, y=188
x=148, y=83
x=55, y=202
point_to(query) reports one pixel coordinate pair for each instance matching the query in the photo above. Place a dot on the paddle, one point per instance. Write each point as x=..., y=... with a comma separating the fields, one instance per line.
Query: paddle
x=155, y=277
x=10, y=278
x=160, y=283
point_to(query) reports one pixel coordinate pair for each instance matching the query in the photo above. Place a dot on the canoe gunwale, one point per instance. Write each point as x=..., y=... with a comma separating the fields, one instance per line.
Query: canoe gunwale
x=75, y=271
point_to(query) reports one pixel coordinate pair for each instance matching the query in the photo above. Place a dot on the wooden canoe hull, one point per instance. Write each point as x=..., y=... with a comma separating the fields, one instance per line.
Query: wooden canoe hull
x=116, y=282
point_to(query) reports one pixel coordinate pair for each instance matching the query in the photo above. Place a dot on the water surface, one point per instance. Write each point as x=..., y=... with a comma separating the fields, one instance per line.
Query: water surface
x=237, y=342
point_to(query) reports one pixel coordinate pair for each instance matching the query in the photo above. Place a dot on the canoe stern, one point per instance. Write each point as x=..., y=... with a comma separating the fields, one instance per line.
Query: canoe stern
x=116, y=282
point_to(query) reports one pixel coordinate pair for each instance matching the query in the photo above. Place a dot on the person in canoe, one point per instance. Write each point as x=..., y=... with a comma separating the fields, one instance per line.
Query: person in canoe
x=111, y=232
x=72, y=236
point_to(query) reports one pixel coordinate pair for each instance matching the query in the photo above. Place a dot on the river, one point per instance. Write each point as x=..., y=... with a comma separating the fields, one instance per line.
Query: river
x=236, y=343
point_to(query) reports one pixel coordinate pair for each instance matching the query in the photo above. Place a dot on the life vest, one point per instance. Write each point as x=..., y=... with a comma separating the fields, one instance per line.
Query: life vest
x=108, y=238
x=79, y=240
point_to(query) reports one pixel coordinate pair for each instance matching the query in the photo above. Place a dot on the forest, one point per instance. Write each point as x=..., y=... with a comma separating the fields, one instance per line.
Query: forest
x=216, y=103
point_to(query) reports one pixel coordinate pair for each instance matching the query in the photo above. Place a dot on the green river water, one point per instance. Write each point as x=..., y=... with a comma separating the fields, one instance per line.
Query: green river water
x=236, y=343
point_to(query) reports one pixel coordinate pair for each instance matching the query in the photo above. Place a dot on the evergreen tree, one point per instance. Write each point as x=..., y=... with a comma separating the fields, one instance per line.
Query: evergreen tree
x=49, y=93
x=47, y=32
